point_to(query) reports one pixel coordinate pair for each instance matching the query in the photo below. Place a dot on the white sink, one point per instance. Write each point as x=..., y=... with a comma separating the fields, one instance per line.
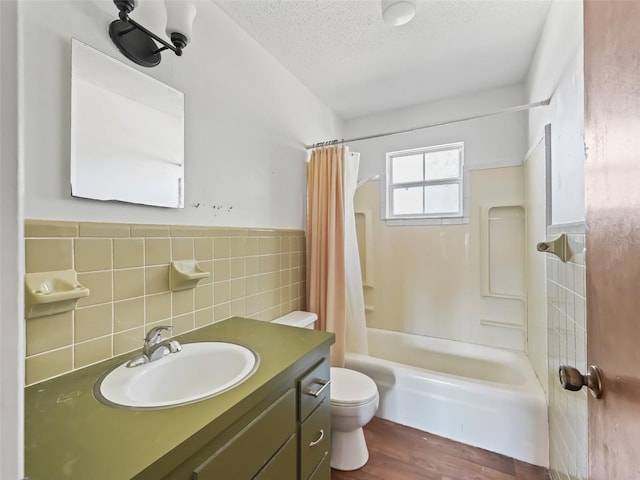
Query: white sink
x=199, y=371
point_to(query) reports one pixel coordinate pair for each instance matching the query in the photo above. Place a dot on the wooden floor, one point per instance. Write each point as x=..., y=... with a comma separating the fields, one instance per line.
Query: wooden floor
x=397, y=452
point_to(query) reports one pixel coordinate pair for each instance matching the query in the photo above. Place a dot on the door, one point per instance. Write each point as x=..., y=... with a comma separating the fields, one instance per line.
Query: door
x=612, y=136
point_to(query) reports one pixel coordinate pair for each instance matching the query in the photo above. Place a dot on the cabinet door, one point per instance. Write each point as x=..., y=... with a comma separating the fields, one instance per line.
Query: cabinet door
x=284, y=465
x=245, y=454
x=323, y=471
x=315, y=439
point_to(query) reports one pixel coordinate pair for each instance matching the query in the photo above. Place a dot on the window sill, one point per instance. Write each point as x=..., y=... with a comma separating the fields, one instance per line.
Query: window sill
x=393, y=222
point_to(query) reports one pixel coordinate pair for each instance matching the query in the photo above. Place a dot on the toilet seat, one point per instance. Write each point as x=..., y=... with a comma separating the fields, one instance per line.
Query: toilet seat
x=350, y=388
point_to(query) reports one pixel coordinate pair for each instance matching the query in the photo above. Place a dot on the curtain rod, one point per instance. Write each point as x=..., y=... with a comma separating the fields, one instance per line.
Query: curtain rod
x=517, y=108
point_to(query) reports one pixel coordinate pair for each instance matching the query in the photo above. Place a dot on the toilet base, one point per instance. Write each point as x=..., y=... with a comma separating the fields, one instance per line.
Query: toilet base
x=348, y=450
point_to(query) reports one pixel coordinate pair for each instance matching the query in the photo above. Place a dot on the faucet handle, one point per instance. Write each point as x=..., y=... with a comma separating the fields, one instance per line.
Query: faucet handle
x=154, y=335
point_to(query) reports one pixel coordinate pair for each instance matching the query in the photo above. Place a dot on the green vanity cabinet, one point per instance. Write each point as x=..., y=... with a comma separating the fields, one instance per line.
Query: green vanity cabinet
x=285, y=439
x=315, y=421
x=273, y=426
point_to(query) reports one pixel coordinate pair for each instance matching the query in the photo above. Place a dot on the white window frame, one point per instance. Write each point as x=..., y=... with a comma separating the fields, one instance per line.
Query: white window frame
x=431, y=217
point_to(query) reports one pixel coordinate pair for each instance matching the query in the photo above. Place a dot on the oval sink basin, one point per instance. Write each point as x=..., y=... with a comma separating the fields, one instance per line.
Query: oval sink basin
x=199, y=371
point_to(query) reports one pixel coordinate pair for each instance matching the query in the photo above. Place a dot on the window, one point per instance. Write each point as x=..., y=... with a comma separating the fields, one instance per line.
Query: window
x=425, y=183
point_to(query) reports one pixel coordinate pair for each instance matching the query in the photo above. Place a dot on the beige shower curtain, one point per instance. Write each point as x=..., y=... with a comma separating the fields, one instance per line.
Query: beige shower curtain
x=325, y=244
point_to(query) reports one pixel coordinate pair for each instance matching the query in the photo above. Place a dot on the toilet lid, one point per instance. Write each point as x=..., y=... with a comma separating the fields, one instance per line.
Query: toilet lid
x=349, y=387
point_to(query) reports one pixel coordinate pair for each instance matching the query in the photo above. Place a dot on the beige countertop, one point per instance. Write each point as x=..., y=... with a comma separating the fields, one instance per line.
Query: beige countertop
x=70, y=435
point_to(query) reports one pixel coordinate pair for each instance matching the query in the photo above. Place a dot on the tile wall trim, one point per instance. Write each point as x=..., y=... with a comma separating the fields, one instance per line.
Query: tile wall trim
x=574, y=227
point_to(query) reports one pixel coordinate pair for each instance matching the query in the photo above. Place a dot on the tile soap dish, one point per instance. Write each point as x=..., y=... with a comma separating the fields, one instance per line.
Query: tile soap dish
x=186, y=274
x=48, y=293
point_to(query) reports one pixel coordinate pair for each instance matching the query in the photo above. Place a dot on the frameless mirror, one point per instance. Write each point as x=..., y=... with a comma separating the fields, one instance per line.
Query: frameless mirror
x=127, y=133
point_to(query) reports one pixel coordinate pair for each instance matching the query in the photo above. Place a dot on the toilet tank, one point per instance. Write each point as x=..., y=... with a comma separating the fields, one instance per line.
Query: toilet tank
x=298, y=319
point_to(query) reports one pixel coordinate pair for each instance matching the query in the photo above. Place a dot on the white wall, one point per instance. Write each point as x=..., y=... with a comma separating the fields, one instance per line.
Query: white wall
x=489, y=142
x=11, y=253
x=247, y=119
x=557, y=69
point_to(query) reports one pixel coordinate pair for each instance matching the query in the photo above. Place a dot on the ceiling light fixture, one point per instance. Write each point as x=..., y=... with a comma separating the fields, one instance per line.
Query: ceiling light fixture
x=398, y=12
x=139, y=44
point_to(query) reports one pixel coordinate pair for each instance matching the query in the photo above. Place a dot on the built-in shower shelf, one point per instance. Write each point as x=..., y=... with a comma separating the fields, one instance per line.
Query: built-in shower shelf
x=497, y=323
x=364, y=235
x=369, y=308
x=502, y=247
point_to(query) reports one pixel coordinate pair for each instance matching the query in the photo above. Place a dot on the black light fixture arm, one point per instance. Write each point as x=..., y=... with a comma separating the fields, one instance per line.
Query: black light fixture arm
x=165, y=45
x=138, y=43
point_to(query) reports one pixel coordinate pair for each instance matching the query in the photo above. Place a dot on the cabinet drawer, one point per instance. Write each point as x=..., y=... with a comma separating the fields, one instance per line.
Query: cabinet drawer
x=284, y=465
x=314, y=388
x=323, y=471
x=245, y=454
x=315, y=439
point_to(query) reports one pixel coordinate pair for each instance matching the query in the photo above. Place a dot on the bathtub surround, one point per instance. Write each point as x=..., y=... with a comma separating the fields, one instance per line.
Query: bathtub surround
x=426, y=280
x=538, y=206
x=255, y=273
x=567, y=341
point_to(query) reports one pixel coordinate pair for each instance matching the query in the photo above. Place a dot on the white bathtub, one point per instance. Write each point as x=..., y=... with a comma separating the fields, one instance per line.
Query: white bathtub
x=482, y=396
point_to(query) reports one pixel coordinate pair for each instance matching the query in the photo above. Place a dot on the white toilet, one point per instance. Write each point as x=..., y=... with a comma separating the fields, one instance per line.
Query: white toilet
x=354, y=401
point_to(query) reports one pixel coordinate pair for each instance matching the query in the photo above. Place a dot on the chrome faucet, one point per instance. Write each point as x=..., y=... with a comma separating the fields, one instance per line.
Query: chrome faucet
x=155, y=347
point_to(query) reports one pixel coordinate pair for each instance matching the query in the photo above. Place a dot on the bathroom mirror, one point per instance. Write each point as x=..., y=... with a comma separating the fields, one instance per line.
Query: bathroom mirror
x=127, y=133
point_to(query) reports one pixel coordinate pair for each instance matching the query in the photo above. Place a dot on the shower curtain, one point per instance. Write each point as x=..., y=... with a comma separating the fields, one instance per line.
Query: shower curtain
x=356, y=324
x=334, y=282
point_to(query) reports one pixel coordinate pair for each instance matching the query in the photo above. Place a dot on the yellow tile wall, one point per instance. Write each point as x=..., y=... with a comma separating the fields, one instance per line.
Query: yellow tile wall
x=255, y=273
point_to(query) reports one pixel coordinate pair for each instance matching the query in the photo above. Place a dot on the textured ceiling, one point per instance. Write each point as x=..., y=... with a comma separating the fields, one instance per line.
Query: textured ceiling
x=343, y=52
